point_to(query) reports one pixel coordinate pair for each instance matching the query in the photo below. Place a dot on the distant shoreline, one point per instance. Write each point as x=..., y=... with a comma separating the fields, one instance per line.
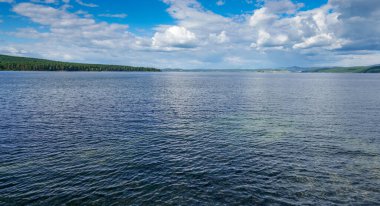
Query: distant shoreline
x=362, y=70
x=14, y=63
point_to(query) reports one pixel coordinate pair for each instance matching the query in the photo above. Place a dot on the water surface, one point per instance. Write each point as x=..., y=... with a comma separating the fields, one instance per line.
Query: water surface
x=189, y=138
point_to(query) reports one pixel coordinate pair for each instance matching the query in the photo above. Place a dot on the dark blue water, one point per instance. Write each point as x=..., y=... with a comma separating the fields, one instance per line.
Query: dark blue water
x=189, y=139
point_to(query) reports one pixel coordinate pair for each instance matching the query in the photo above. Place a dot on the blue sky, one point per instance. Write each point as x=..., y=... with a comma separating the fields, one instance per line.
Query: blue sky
x=194, y=34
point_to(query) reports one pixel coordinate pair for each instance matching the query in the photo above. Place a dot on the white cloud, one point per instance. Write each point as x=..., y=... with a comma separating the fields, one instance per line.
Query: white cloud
x=220, y=2
x=282, y=6
x=192, y=15
x=262, y=17
x=220, y=38
x=317, y=41
x=46, y=1
x=266, y=40
x=72, y=31
x=6, y=1
x=359, y=20
x=302, y=30
x=50, y=16
x=80, y=2
x=174, y=37
x=122, y=16
x=30, y=33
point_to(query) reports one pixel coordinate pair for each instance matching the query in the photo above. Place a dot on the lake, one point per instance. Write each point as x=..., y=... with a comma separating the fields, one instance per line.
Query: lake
x=189, y=138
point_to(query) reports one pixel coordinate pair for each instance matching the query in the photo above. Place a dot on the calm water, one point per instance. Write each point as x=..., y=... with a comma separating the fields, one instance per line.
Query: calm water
x=189, y=138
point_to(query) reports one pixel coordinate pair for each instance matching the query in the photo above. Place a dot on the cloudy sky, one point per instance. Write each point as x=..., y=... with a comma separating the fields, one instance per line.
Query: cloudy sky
x=194, y=33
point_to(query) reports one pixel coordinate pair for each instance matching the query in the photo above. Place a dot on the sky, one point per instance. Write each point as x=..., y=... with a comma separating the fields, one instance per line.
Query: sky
x=194, y=34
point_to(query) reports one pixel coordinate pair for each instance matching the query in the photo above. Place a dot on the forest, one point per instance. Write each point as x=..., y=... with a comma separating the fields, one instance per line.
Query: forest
x=13, y=63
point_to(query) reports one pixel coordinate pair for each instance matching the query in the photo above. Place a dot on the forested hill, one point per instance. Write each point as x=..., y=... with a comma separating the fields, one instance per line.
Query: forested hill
x=357, y=69
x=12, y=63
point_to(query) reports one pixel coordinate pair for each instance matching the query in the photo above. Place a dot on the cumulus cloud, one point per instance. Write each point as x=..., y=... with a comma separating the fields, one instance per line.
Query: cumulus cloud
x=281, y=26
x=174, y=37
x=267, y=40
x=282, y=6
x=359, y=20
x=316, y=41
x=192, y=15
x=220, y=38
x=302, y=30
x=262, y=17
x=338, y=25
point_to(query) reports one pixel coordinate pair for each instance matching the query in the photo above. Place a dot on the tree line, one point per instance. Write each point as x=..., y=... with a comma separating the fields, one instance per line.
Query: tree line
x=12, y=63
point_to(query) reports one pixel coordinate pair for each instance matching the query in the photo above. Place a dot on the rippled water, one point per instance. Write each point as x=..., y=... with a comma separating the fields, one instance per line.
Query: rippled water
x=189, y=138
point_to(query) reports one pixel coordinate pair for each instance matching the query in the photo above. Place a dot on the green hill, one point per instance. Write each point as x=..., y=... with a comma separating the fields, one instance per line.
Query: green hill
x=358, y=69
x=12, y=63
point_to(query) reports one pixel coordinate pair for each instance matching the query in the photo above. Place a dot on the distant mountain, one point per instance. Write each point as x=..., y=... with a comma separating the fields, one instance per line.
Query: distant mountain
x=13, y=63
x=227, y=70
x=295, y=69
x=357, y=69
x=172, y=70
